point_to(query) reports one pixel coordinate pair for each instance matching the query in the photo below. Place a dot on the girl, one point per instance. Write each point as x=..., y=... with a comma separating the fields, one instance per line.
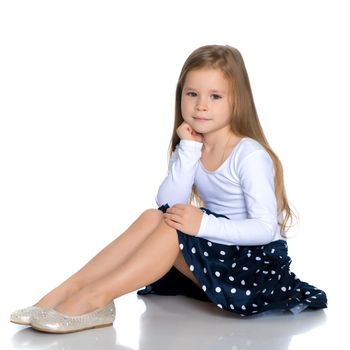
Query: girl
x=230, y=251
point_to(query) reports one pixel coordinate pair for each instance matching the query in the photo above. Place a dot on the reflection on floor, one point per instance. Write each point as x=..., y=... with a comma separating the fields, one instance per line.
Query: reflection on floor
x=178, y=323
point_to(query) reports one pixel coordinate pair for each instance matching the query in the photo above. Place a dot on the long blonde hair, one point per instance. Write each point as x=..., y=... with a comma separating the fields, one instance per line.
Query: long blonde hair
x=244, y=118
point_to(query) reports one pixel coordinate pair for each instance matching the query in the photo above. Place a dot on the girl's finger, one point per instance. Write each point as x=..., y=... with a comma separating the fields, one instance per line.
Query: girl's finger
x=173, y=224
x=174, y=210
x=179, y=206
x=173, y=217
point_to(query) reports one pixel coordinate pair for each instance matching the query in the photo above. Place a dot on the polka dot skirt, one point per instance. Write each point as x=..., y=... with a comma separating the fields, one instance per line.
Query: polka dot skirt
x=247, y=279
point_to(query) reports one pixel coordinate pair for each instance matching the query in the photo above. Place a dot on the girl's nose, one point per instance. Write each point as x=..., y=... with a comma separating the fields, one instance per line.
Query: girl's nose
x=201, y=105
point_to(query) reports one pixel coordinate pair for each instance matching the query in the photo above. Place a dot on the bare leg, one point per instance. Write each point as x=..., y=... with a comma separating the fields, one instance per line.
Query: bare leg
x=108, y=259
x=181, y=265
x=148, y=263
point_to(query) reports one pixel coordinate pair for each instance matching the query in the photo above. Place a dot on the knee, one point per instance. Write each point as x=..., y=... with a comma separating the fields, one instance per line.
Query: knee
x=155, y=217
x=153, y=214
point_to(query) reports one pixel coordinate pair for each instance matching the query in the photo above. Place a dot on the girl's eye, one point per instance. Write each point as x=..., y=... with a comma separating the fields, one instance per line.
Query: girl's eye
x=193, y=94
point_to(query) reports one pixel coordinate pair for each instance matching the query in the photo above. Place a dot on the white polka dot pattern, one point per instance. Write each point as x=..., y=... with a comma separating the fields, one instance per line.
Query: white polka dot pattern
x=248, y=279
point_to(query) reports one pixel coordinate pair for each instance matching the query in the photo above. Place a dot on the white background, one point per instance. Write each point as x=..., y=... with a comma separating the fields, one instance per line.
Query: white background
x=87, y=91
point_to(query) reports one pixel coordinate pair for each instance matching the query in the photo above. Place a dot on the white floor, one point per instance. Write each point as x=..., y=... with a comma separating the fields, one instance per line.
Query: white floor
x=176, y=322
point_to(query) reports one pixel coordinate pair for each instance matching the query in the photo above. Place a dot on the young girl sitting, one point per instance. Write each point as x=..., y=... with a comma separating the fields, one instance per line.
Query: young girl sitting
x=231, y=247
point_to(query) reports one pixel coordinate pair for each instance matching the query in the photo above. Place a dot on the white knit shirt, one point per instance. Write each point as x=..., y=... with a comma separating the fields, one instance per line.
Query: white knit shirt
x=242, y=188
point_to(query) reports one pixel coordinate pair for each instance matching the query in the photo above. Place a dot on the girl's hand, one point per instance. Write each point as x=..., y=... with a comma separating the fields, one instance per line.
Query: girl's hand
x=186, y=132
x=184, y=217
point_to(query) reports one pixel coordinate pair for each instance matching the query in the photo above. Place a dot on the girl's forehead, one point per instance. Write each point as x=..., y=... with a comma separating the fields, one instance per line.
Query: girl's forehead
x=214, y=78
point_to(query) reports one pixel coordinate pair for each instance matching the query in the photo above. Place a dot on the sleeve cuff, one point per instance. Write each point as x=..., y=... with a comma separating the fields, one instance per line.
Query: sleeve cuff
x=203, y=225
x=190, y=145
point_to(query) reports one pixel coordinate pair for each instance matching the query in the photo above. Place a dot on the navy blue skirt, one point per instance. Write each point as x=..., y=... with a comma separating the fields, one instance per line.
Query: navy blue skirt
x=242, y=279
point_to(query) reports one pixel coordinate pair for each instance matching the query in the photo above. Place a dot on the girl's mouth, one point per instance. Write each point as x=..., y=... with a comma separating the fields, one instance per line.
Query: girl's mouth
x=201, y=119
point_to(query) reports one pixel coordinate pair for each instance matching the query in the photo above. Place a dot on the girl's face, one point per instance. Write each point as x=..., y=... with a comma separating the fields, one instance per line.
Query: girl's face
x=206, y=101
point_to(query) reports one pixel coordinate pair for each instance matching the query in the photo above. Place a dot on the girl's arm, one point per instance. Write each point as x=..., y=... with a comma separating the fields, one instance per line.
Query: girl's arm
x=177, y=186
x=256, y=175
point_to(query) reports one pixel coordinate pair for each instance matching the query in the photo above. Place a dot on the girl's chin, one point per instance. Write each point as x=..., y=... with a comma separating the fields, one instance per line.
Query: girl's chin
x=200, y=130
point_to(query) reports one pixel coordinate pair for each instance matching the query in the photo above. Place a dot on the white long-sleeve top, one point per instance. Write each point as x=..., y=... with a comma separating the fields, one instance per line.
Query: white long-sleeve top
x=242, y=189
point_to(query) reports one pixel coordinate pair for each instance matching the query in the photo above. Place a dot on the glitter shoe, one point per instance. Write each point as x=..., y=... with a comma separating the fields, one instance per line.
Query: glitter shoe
x=55, y=322
x=24, y=316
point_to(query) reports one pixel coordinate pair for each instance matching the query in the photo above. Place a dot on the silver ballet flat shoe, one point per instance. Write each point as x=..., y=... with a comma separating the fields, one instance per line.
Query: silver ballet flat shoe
x=55, y=322
x=24, y=316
